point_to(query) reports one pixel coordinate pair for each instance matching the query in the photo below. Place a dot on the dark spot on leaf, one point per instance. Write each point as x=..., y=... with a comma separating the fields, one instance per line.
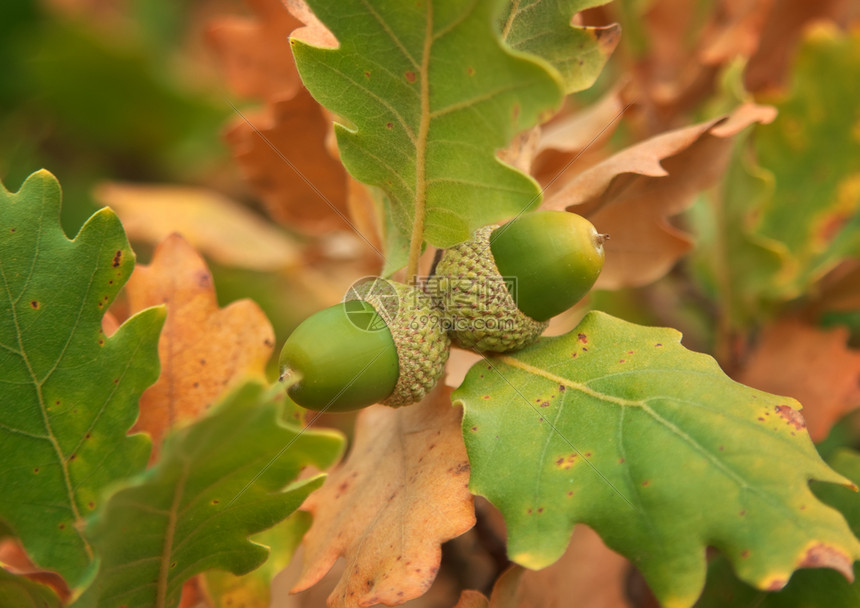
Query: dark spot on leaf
x=470, y=71
x=620, y=461
x=173, y=564
x=658, y=344
x=646, y=483
x=474, y=428
x=629, y=352
x=485, y=397
x=101, y=342
x=36, y=470
x=432, y=445
x=574, y=355
x=116, y=380
x=215, y=501
x=91, y=505
x=582, y=338
x=791, y=416
x=195, y=384
x=722, y=448
x=621, y=360
x=11, y=230
x=540, y=509
x=117, y=258
x=745, y=553
x=544, y=404
x=369, y=583
x=528, y=511
x=110, y=282
x=742, y=513
x=761, y=418
x=561, y=388
x=35, y=305
x=62, y=526
x=389, y=125
x=516, y=112
x=566, y=462
x=588, y=454
x=367, y=74
x=410, y=76
x=580, y=61
x=202, y=361
x=87, y=436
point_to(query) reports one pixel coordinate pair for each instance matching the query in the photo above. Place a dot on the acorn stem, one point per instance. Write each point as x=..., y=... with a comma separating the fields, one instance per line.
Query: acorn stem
x=289, y=376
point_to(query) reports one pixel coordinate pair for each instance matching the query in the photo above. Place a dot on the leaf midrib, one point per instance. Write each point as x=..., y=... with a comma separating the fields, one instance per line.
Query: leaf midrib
x=38, y=383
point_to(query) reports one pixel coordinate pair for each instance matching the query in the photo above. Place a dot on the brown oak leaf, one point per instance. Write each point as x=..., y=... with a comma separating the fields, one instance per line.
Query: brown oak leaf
x=219, y=227
x=813, y=365
x=402, y=492
x=284, y=157
x=588, y=575
x=631, y=195
x=255, y=51
x=204, y=350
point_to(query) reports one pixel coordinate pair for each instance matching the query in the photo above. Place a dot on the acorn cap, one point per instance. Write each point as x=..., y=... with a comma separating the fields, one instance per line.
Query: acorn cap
x=417, y=328
x=481, y=312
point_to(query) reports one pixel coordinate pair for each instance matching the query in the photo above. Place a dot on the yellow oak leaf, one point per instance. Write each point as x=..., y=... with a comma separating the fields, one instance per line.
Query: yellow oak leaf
x=204, y=350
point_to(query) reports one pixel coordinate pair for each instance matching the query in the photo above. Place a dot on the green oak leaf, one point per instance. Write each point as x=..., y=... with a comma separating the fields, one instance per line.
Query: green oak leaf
x=429, y=92
x=618, y=426
x=741, y=267
x=543, y=28
x=227, y=476
x=254, y=590
x=69, y=393
x=807, y=588
x=21, y=592
x=813, y=151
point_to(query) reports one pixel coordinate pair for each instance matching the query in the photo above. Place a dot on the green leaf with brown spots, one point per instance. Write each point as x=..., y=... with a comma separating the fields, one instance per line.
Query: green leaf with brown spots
x=618, y=426
x=807, y=588
x=69, y=393
x=428, y=93
x=544, y=28
x=812, y=150
x=229, y=475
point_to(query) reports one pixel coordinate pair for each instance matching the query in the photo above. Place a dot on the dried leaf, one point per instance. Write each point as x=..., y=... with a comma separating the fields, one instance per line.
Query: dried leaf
x=14, y=560
x=472, y=599
x=573, y=141
x=632, y=194
x=588, y=575
x=222, y=229
x=284, y=157
x=387, y=509
x=812, y=365
x=778, y=40
x=204, y=350
x=255, y=52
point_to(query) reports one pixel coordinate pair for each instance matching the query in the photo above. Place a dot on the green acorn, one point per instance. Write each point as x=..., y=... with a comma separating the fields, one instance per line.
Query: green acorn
x=385, y=343
x=501, y=288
